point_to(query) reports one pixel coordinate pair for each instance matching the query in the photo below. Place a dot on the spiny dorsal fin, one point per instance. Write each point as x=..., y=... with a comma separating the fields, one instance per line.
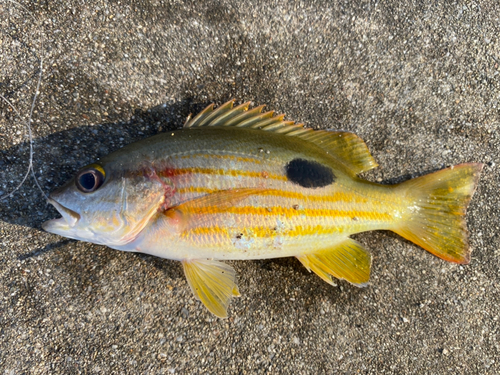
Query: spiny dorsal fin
x=347, y=147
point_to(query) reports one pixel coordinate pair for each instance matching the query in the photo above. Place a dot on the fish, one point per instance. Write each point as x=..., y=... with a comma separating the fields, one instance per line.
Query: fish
x=238, y=184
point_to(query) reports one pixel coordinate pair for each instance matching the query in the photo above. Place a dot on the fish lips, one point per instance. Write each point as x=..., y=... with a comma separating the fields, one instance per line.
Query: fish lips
x=64, y=224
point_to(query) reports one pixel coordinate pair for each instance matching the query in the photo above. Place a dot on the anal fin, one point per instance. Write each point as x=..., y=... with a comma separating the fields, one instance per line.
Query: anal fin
x=213, y=283
x=348, y=260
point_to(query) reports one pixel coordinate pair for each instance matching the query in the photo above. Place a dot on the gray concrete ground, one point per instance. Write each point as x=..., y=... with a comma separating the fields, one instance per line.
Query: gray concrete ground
x=418, y=80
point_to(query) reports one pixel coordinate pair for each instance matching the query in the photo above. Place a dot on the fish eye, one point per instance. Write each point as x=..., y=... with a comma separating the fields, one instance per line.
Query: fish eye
x=90, y=179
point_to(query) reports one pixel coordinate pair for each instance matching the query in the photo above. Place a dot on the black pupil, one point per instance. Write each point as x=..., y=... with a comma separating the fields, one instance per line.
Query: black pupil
x=88, y=181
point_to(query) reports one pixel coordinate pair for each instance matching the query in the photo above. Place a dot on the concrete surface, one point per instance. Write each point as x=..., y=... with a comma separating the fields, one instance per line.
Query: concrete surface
x=418, y=80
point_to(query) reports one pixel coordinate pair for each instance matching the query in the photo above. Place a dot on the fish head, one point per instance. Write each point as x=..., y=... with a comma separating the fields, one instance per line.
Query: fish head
x=107, y=204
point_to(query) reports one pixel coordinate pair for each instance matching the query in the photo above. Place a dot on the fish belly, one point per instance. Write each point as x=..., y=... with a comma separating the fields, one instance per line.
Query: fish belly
x=284, y=223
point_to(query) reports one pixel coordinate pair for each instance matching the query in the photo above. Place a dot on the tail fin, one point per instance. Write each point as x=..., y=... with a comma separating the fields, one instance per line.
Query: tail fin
x=435, y=220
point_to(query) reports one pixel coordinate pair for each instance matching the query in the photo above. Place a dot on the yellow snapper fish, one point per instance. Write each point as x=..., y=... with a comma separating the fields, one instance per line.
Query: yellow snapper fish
x=239, y=184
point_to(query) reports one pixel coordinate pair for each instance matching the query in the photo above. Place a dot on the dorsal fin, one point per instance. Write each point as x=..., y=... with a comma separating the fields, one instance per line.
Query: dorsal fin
x=347, y=147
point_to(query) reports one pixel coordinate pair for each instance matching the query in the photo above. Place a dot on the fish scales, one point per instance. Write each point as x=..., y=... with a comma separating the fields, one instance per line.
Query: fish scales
x=287, y=212
x=238, y=184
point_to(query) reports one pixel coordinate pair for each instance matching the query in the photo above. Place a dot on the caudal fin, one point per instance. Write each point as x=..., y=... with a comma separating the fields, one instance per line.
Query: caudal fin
x=435, y=216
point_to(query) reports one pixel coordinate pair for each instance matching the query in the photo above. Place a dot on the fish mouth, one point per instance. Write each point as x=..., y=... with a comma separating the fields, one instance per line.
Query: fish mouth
x=68, y=220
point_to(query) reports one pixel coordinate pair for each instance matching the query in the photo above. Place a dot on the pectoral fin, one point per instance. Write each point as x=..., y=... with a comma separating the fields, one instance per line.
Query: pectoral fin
x=347, y=260
x=221, y=199
x=181, y=216
x=213, y=283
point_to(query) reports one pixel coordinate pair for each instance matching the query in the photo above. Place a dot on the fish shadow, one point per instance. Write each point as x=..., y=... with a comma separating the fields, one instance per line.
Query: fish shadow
x=45, y=249
x=312, y=290
x=58, y=156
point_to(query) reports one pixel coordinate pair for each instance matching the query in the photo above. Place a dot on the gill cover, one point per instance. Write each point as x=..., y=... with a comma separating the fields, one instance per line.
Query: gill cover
x=105, y=205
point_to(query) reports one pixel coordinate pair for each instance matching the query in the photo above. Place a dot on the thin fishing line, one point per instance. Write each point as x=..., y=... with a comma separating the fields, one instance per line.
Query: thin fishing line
x=28, y=123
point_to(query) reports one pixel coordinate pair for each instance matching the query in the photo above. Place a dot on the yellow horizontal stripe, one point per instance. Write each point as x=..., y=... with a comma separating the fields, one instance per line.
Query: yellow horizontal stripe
x=221, y=172
x=288, y=212
x=224, y=157
x=335, y=197
x=265, y=232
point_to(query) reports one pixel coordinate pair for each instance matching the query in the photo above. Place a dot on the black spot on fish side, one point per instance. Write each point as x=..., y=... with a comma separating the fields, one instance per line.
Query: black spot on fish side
x=309, y=174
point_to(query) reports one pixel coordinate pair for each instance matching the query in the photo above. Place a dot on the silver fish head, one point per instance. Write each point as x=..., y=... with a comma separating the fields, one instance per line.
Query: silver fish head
x=106, y=204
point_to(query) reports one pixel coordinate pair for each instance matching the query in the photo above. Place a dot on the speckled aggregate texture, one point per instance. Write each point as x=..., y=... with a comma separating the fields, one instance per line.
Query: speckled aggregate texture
x=418, y=80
